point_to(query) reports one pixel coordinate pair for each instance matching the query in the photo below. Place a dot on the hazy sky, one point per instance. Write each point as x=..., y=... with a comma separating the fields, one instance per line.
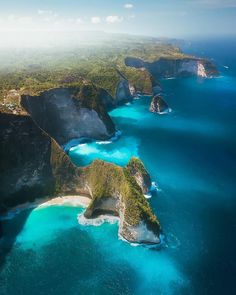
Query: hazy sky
x=172, y=18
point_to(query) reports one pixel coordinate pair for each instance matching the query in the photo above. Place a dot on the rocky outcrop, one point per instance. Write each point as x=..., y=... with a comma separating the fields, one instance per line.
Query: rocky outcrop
x=156, y=86
x=107, y=100
x=119, y=191
x=33, y=165
x=139, y=172
x=69, y=113
x=123, y=93
x=158, y=105
x=170, y=67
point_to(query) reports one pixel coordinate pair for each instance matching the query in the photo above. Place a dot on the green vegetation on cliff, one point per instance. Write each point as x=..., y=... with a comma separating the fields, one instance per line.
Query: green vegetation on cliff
x=136, y=165
x=108, y=180
x=31, y=72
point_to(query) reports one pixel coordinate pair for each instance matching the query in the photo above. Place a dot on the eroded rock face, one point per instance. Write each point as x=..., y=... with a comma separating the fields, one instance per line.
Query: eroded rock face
x=119, y=191
x=158, y=105
x=139, y=233
x=69, y=113
x=139, y=172
x=123, y=92
x=33, y=165
x=24, y=149
x=167, y=68
x=156, y=86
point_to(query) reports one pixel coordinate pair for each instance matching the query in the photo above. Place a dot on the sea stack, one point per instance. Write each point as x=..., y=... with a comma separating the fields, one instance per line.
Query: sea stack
x=158, y=105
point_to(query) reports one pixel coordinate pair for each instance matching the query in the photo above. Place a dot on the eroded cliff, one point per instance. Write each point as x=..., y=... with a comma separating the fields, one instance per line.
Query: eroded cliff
x=33, y=165
x=72, y=112
x=119, y=191
x=170, y=67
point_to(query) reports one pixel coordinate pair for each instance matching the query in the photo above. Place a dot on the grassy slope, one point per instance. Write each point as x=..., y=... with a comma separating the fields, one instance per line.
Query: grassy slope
x=32, y=72
x=107, y=179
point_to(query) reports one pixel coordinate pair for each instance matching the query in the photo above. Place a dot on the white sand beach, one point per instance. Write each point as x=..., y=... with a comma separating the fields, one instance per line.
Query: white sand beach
x=74, y=201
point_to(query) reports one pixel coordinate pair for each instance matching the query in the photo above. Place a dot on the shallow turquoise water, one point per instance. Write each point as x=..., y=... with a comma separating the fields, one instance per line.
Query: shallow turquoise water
x=191, y=153
x=54, y=251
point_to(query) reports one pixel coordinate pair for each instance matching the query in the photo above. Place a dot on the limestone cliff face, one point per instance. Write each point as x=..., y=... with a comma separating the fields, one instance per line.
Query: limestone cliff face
x=167, y=68
x=68, y=113
x=158, y=105
x=119, y=191
x=123, y=92
x=33, y=165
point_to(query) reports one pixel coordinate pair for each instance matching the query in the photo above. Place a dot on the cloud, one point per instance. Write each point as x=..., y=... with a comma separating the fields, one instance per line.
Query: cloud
x=131, y=16
x=111, y=19
x=47, y=15
x=128, y=6
x=23, y=20
x=44, y=12
x=95, y=19
x=79, y=21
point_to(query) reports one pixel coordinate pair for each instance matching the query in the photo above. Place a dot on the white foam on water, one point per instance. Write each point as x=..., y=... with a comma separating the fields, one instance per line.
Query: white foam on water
x=169, y=110
x=103, y=142
x=118, y=152
x=72, y=143
x=148, y=196
x=98, y=221
x=154, y=187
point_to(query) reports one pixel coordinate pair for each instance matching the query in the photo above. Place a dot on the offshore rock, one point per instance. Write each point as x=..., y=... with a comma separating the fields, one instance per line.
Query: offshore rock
x=158, y=105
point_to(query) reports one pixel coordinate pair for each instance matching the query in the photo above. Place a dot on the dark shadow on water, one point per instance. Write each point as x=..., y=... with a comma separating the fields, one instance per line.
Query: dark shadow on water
x=10, y=228
x=205, y=227
x=215, y=270
x=71, y=264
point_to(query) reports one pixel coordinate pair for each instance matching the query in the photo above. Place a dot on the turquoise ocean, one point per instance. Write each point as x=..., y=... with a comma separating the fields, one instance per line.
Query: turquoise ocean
x=191, y=154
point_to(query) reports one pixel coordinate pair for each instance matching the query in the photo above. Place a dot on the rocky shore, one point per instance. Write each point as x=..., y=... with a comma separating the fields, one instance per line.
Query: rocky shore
x=33, y=164
x=35, y=125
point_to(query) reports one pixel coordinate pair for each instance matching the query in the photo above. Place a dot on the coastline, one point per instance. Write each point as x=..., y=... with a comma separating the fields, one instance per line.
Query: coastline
x=73, y=201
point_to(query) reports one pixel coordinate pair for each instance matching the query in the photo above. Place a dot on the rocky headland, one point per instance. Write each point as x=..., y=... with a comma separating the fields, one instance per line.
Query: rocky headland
x=171, y=67
x=34, y=165
x=42, y=110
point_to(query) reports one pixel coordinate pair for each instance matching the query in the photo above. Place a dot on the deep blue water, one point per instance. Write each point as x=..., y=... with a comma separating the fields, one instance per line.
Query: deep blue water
x=191, y=154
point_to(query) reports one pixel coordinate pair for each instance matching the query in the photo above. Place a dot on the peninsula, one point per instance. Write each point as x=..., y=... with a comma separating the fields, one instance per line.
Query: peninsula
x=67, y=96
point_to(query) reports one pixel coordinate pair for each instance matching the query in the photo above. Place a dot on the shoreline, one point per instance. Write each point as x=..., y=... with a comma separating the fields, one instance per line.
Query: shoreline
x=71, y=201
